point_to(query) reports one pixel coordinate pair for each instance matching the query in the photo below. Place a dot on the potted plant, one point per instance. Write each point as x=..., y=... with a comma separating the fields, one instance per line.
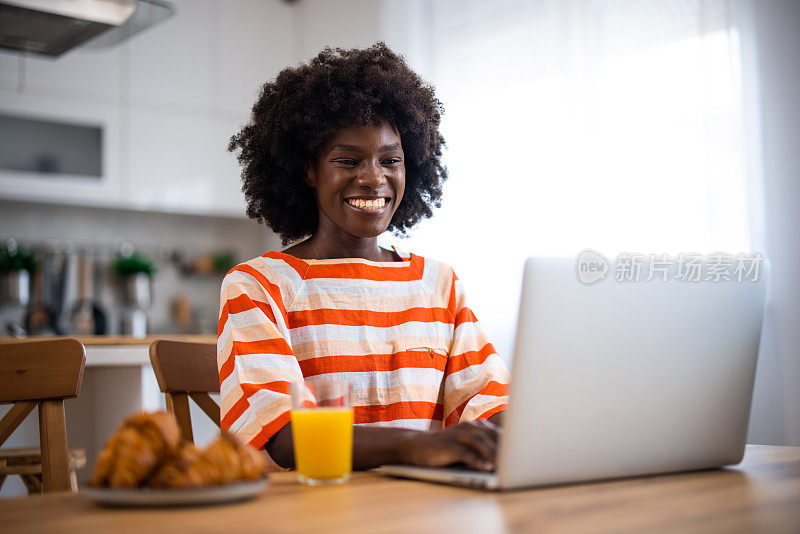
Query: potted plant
x=16, y=268
x=135, y=270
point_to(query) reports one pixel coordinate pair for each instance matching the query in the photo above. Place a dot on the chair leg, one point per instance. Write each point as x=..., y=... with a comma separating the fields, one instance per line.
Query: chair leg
x=53, y=438
x=2, y=480
x=33, y=483
x=11, y=420
x=178, y=405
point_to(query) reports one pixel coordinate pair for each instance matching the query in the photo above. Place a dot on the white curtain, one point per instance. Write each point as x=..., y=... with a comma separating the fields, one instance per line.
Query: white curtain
x=610, y=124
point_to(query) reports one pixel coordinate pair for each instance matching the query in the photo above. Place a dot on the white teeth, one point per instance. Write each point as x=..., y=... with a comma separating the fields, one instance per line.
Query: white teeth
x=367, y=204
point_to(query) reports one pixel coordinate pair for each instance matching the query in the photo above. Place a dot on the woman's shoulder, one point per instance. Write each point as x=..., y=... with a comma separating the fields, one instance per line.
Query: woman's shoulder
x=273, y=268
x=409, y=255
x=276, y=265
x=430, y=263
x=438, y=275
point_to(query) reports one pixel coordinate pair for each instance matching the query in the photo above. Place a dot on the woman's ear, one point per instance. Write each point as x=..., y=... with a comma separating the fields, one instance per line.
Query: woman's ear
x=309, y=175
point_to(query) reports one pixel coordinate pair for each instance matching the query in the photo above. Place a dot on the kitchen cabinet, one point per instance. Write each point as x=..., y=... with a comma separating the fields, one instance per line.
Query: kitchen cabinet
x=180, y=128
x=180, y=163
x=170, y=63
x=82, y=74
x=256, y=42
x=228, y=196
x=103, y=190
x=170, y=161
x=169, y=100
x=9, y=65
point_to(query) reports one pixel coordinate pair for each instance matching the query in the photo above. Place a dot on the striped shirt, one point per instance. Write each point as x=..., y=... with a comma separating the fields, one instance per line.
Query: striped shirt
x=400, y=332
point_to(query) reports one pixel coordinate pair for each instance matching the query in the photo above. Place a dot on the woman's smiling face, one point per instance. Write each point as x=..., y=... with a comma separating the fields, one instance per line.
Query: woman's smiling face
x=359, y=178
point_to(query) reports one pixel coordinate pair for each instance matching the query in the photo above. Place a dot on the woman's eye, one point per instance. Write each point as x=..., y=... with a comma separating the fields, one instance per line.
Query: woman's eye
x=346, y=161
x=391, y=161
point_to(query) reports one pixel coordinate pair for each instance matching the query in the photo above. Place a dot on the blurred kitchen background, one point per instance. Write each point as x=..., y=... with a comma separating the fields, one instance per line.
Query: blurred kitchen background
x=652, y=126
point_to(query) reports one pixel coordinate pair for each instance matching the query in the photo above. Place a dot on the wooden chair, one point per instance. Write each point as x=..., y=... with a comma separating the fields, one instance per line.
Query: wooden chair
x=189, y=370
x=185, y=370
x=42, y=373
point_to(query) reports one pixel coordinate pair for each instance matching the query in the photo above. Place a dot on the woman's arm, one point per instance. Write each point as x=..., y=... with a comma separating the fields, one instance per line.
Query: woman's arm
x=473, y=443
x=475, y=378
x=497, y=419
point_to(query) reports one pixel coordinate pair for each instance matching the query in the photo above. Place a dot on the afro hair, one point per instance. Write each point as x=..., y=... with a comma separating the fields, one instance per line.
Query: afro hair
x=304, y=106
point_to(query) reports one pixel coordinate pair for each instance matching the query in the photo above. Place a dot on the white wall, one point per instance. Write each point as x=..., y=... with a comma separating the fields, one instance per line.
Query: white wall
x=344, y=24
x=771, y=41
x=403, y=24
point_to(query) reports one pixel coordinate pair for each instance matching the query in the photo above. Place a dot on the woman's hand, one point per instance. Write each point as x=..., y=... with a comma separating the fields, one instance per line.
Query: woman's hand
x=473, y=443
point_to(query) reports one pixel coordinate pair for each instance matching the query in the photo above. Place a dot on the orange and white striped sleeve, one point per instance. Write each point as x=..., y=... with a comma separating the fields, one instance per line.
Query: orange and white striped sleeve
x=254, y=356
x=476, y=378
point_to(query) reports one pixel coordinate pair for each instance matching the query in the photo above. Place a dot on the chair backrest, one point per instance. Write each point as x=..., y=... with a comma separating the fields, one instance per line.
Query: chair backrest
x=186, y=370
x=42, y=373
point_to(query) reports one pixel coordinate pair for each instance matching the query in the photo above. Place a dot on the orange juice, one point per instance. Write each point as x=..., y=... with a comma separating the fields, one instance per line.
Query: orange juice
x=323, y=442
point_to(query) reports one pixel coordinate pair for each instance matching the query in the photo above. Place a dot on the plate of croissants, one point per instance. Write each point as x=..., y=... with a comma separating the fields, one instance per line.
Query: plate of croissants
x=146, y=463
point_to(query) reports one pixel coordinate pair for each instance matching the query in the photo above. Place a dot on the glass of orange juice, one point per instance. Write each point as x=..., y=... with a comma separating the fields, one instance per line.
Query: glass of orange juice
x=322, y=431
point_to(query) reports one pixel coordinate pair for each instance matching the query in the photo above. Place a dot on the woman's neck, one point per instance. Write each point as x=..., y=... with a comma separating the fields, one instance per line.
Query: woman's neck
x=329, y=243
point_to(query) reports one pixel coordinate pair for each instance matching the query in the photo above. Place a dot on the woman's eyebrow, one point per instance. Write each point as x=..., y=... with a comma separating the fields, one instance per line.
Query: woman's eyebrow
x=351, y=148
x=356, y=148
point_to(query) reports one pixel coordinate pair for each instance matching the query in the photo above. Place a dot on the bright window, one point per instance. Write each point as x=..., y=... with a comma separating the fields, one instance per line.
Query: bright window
x=612, y=125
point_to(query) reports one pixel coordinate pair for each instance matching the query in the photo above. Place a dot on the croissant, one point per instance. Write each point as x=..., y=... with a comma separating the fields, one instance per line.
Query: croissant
x=254, y=464
x=178, y=470
x=142, y=442
x=225, y=460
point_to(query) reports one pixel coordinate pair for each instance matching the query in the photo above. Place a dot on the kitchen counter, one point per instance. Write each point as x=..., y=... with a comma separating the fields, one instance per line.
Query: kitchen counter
x=116, y=351
x=119, y=340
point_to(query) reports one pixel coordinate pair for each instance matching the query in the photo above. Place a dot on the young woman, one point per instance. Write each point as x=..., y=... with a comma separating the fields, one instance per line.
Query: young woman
x=338, y=151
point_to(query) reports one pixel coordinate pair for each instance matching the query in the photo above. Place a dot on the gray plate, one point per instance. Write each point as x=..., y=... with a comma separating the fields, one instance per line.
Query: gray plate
x=237, y=491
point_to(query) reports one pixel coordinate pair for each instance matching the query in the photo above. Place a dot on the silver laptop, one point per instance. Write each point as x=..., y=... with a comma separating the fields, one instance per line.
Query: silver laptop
x=614, y=377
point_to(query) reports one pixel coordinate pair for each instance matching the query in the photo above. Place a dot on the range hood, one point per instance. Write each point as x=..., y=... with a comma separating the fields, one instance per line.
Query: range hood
x=52, y=27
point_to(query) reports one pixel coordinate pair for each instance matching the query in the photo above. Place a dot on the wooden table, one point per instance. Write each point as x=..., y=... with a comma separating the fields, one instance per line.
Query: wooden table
x=760, y=495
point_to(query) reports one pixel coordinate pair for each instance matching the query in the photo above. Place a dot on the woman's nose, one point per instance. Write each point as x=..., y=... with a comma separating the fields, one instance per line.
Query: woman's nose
x=371, y=175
